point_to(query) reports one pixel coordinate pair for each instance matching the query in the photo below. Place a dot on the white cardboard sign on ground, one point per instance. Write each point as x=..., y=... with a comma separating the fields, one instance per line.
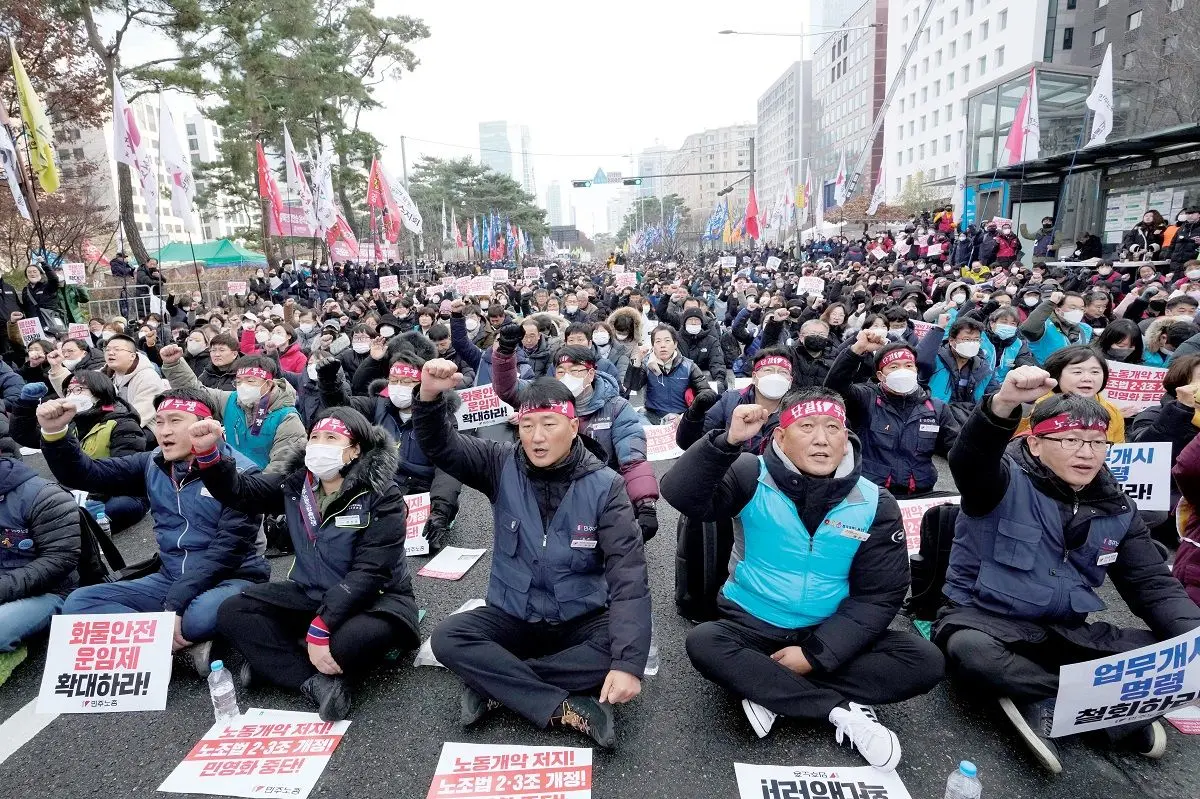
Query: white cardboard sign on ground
x=451, y=563
x=260, y=753
x=107, y=663
x=425, y=655
x=496, y=771
x=1144, y=472
x=660, y=441
x=911, y=513
x=415, y=542
x=758, y=782
x=1130, y=686
x=1187, y=720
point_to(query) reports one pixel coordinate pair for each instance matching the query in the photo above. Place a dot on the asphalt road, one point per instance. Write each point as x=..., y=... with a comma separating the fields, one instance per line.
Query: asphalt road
x=678, y=740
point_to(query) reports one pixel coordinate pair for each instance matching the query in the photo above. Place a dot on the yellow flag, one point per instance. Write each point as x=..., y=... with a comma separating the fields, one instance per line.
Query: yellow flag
x=37, y=127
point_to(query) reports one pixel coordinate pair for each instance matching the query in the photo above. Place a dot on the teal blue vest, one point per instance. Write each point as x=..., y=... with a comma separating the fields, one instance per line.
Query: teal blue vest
x=786, y=577
x=1008, y=358
x=237, y=432
x=1053, y=340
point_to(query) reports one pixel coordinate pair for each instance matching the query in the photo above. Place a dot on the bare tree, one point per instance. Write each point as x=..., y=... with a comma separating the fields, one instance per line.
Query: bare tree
x=1158, y=64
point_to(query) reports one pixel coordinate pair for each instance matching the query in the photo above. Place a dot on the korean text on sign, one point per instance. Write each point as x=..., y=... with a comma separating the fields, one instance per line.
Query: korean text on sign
x=480, y=408
x=660, y=441
x=262, y=753
x=806, y=782
x=1131, y=686
x=389, y=283
x=233, y=287
x=485, y=771
x=107, y=663
x=30, y=329
x=1139, y=387
x=415, y=542
x=911, y=513
x=1144, y=472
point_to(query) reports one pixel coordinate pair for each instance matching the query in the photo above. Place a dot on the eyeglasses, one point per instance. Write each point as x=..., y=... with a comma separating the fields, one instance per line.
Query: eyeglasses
x=1072, y=444
x=575, y=371
x=120, y=349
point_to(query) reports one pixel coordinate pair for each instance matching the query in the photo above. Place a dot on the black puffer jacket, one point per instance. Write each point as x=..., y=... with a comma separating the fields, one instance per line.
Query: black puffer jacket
x=126, y=437
x=703, y=348
x=50, y=518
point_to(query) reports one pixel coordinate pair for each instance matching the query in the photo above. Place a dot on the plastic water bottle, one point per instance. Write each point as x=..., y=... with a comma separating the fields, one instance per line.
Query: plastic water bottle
x=97, y=510
x=962, y=782
x=653, y=661
x=223, y=692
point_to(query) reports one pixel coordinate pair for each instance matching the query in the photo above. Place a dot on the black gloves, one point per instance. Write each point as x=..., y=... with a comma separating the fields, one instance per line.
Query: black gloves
x=701, y=404
x=327, y=366
x=510, y=336
x=647, y=519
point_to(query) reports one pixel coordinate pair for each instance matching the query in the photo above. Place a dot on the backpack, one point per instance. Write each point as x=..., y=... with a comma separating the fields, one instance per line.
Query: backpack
x=930, y=563
x=701, y=566
x=99, y=557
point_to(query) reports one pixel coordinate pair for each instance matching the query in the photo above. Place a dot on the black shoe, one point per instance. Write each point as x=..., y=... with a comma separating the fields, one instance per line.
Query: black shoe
x=329, y=694
x=474, y=706
x=591, y=718
x=1033, y=722
x=243, y=676
x=1149, y=741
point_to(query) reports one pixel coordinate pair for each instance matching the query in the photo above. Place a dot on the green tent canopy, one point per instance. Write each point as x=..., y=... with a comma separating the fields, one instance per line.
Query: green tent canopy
x=211, y=253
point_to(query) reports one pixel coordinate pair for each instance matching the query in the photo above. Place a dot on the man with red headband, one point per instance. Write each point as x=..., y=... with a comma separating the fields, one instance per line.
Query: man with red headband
x=1043, y=522
x=819, y=570
x=208, y=551
x=568, y=601
x=260, y=417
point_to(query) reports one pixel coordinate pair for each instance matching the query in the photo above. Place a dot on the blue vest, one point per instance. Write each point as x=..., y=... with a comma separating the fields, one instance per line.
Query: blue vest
x=788, y=577
x=899, y=451
x=942, y=385
x=17, y=547
x=414, y=472
x=1012, y=562
x=1053, y=340
x=1008, y=356
x=665, y=393
x=255, y=447
x=553, y=573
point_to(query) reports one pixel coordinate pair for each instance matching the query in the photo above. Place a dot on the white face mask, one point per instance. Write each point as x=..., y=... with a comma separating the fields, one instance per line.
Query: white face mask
x=361, y=347
x=306, y=327
x=401, y=396
x=693, y=327
x=967, y=349
x=1030, y=302
x=901, y=381
x=572, y=308
x=312, y=372
x=622, y=337
x=323, y=460
x=196, y=347
x=773, y=386
x=1193, y=274
x=573, y=383
x=107, y=334
x=1074, y=317
x=387, y=332
x=82, y=402
x=262, y=336
x=959, y=299
x=278, y=340
x=600, y=338
x=472, y=325
x=483, y=306
x=248, y=395
x=71, y=363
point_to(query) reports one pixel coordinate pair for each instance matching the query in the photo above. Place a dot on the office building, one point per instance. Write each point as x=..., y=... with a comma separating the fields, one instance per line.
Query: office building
x=495, y=150
x=782, y=141
x=554, y=203
x=527, y=181
x=202, y=143
x=722, y=156
x=650, y=162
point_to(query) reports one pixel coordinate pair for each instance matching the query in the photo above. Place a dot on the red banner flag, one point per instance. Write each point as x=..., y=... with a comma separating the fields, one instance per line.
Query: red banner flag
x=379, y=195
x=267, y=187
x=343, y=245
x=752, y=215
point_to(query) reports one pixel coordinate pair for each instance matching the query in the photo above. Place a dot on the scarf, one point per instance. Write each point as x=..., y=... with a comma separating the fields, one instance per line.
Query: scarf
x=659, y=368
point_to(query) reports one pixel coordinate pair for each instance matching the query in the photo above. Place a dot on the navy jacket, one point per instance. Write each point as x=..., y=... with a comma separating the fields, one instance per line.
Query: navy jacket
x=39, y=535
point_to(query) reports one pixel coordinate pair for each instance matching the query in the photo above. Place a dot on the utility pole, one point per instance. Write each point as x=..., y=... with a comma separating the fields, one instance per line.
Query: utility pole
x=412, y=238
x=752, y=179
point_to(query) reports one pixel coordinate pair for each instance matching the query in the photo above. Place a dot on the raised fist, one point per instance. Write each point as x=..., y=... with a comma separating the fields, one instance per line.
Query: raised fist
x=170, y=354
x=205, y=434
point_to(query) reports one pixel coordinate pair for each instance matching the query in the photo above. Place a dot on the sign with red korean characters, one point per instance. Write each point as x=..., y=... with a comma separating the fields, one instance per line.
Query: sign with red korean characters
x=921, y=328
x=76, y=274
x=30, y=329
x=660, y=441
x=626, y=280
x=389, y=283
x=1138, y=387
x=494, y=771
x=415, y=542
x=498, y=275
x=811, y=285
x=911, y=512
x=532, y=272
x=261, y=753
x=235, y=287
x=482, y=286
x=77, y=330
x=107, y=663
x=480, y=407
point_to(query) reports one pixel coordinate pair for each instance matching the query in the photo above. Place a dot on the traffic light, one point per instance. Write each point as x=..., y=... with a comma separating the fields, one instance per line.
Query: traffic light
x=631, y=182
x=580, y=184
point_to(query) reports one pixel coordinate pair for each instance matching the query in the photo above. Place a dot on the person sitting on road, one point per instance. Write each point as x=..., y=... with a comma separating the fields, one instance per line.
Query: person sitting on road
x=772, y=370
x=1081, y=371
x=818, y=573
x=568, y=601
x=221, y=373
x=350, y=588
x=208, y=551
x=1043, y=522
x=670, y=380
x=136, y=378
x=260, y=416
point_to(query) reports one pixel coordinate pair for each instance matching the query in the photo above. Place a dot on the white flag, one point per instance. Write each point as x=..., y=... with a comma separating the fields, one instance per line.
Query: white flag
x=1032, y=147
x=444, y=233
x=11, y=167
x=297, y=182
x=409, y=213
x=839, y=184
x=131, y=147
x=960, y=189
x=326, y=207
x=1101, y=102
x=879, y=195
x=179, y=171
x=819, y=208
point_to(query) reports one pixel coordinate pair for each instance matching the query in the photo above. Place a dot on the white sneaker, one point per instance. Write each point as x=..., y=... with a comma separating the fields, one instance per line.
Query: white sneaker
x=878, y=745
x=760, y=718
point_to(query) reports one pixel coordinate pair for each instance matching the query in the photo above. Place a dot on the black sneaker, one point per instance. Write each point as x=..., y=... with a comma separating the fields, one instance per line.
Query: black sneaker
x=1149, y=741
x=1033, y=722
x=590, y=717
x=474, y=706
x=329, y=694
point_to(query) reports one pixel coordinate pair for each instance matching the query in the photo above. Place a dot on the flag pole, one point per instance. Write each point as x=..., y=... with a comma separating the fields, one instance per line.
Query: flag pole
x=158, y=177
x=195, y=266
x=34, y=210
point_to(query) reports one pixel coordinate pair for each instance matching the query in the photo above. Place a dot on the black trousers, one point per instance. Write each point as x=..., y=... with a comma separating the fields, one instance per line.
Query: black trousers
x=530, y=667
x=735, y=653
x=272, y=639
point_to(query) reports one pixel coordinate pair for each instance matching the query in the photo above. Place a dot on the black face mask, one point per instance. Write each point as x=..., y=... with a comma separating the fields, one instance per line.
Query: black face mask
x=816, y=343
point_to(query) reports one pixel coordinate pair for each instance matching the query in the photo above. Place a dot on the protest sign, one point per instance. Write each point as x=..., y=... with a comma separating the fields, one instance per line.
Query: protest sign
x=626, y=280
x=811, y=285
x=481, y=286
x=425, y=656
x=1144, y=472
x=497, y=771
x=921, y=328
x=76, y=274
x=499, y=276
x=1137, y=685
x=935, y=249
x=451, y=563
x=1186, y=720
x=741, y=382
x=660, y=441
x=389, y=283
x=235, y=287
x=77, y=330
x=532, y=273
x=777, y=782
x=618, y=269
x=879, y=253
x=107, y=663
x=480, y=407
x=1139, y=387
x=415, y=542
x=260, y=753
x=911, y=513
x=773, y=262
x=728, y=261
x=30, y=329
x=447, y=280
x=463, y=285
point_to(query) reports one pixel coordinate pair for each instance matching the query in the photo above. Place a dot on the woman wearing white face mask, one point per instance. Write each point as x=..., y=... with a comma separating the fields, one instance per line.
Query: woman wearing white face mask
x=284, y=345
x=350, y=592
x=195, y=349
x=1055, y=324
x=624, y=327
x=900, y=426
x=955, y=372
x=771, y=372
x=106, y=426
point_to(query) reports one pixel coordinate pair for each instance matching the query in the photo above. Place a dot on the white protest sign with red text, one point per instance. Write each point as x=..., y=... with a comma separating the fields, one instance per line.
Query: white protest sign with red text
x=30, y=329
x=415, y=542
x=235, y=287
x=76, y=274
x=777, y=782
x=1139, y=387
x=480, y=407
x=660, y=441
x=451, y=563
x=77, y=330
x=626, y=280
x=911, y=512
x=496, y=771
x=389, y=283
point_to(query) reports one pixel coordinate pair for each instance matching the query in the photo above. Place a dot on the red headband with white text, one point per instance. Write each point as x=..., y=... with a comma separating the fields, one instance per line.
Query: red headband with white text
x=774, y=360
x=194, y=407
x=1063, y=422
x=566, y=409
x=400, y=370
x=812, y=407
x=333, y=425
x=254, y=371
